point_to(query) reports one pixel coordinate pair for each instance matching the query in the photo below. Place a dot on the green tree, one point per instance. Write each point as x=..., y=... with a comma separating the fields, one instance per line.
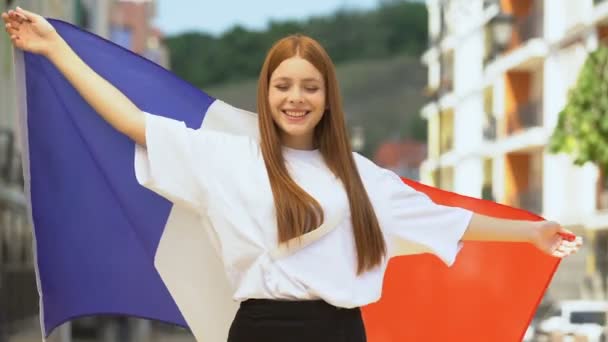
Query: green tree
x=396, y=27
x=582, y=128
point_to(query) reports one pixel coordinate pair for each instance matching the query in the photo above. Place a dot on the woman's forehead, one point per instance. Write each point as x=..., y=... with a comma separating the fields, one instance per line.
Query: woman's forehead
x=297, y=68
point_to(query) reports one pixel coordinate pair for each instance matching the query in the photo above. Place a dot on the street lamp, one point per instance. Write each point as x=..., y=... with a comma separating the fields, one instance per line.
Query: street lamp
x=502, y=29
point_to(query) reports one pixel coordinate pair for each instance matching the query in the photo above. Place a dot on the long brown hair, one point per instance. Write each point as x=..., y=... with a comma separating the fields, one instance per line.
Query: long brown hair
x=297, y=211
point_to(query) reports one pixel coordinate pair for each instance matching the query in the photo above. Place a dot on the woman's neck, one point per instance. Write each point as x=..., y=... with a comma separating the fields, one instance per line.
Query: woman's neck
x=298, y=143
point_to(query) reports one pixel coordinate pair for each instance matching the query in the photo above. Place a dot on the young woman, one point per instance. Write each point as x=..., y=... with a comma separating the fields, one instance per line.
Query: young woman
x=305, y=226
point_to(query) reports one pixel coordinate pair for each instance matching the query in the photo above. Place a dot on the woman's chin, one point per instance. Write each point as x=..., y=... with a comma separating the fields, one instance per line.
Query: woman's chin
x=297, y=133
x=296, y=128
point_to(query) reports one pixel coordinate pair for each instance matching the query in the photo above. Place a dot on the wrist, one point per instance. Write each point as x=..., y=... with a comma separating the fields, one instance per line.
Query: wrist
x=533, y=232
x=55, y=48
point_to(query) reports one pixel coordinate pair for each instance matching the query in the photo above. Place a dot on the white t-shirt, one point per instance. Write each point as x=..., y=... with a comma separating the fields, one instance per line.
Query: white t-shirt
x=223, y=177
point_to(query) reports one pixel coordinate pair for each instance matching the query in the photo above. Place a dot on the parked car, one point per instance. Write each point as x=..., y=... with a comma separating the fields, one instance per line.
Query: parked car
x=577, y=317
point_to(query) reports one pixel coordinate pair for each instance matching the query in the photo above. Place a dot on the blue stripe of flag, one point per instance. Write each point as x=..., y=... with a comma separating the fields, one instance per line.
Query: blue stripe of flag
x=96, y=229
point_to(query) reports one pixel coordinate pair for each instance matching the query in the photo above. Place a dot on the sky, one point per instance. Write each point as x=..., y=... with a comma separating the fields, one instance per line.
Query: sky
x=176, y=16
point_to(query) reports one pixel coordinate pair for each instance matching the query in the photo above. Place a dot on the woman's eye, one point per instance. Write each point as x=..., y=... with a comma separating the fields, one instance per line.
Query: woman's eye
x=312, y=89
x=282, y=87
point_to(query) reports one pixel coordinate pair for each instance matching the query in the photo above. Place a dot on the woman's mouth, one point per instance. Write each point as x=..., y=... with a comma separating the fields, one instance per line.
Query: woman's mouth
x=295, y=114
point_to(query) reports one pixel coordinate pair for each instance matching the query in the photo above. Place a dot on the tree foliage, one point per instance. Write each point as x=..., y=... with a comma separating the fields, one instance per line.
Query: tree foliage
x=582, y=128
x=395, y=27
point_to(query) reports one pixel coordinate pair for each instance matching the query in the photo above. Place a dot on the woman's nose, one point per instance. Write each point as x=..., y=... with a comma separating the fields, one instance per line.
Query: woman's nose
x=295, y=96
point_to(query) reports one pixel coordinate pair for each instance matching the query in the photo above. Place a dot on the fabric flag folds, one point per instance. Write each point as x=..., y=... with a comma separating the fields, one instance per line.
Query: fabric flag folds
x=105, y=245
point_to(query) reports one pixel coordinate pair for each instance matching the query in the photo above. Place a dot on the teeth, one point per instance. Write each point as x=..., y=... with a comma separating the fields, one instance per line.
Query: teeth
x=293, y=113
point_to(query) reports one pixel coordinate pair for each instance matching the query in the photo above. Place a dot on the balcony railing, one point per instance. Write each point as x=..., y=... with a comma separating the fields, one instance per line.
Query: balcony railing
x=446, y=132
x=447, y=72
x=447, y=143
x=488, y=3
x=447, y=75
x=489, y=127
x=487, y=192
x=526, y=116
x=446, y=85
x=529, y=26
x=531, y=200
x=433, y=41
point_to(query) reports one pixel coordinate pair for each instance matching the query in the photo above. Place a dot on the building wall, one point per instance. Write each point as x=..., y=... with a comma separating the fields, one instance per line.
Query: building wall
x=546, y=81
x=550, y=42
x=131, y=26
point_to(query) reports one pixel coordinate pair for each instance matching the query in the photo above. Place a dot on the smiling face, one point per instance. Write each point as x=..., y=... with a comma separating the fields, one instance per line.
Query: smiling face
x=297, y=100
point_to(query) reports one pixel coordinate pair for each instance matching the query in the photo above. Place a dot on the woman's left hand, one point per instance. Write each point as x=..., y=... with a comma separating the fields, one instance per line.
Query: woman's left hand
x=547, y=236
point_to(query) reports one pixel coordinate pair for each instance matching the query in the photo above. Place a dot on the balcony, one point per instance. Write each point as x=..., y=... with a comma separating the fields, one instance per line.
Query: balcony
x=528, y=27
x=489, y=128
x=489, y=120
x=433, y=41
x=531, y=200
x=447, y=143
x=446, y=85
x=525, y=116
x=443, y=178
x=488, y=3
x=446, y=68
x=446, y=131
x=487, y=192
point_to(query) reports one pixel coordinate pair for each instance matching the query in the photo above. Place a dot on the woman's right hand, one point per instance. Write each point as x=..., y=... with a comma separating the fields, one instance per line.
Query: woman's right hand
x=29, y=31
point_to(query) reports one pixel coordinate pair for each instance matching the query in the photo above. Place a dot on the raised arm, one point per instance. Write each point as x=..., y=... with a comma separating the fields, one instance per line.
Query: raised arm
x=545, y=235
x=32, y=33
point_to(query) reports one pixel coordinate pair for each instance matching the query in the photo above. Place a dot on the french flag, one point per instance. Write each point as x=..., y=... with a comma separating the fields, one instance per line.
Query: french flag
x=107, y=246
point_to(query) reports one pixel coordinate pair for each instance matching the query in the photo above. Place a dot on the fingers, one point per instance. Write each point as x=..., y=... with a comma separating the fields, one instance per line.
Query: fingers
x=566, y=234
x=13, y=21
x=11, y=29
x=15, y=18
x=12, y=18
x=27, y=15
x=20, y=18
x=565, y=248
x=558, y=254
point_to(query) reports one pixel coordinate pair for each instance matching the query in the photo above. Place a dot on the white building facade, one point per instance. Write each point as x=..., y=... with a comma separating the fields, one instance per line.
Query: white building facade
x=493, y=108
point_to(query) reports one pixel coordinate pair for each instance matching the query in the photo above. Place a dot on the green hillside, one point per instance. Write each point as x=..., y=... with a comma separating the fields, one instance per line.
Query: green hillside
x=384, y=96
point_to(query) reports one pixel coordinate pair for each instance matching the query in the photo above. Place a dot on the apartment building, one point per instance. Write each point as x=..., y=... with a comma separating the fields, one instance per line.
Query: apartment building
x=498, y=75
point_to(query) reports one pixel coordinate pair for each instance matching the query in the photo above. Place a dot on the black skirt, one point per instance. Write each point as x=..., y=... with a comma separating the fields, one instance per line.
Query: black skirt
x=263, y=320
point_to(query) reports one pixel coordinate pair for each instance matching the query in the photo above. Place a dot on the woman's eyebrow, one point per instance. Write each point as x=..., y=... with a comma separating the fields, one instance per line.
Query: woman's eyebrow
x=311, y=79
x=308, y=79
